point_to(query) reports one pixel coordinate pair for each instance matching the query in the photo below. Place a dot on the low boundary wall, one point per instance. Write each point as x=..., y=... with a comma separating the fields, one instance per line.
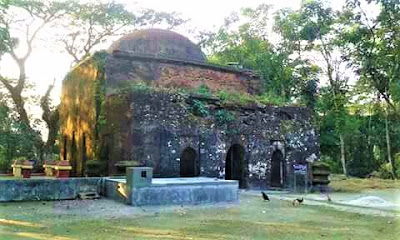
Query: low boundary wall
x=47, y=188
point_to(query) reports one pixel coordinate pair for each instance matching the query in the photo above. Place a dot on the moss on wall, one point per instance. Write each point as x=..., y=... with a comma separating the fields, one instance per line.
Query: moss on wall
x=81, y=107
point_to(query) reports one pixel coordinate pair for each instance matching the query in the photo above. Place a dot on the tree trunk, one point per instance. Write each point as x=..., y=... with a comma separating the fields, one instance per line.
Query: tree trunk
x=51, y=117
x=343, y=154
x=20, y=107
x=389, y=151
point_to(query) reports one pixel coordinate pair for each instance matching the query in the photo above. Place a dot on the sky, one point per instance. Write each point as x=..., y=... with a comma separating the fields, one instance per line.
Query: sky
x=48, y=64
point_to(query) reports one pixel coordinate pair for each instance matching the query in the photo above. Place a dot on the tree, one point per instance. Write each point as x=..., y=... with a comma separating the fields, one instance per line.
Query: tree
x=35, y=11
x=89, y=24
x=15, y=139
x=373, y=45
x=249, y=47
x=312, y=31
x=28, y=17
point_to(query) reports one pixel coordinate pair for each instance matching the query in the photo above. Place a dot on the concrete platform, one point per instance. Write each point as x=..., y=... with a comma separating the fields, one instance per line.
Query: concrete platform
x=172, y=191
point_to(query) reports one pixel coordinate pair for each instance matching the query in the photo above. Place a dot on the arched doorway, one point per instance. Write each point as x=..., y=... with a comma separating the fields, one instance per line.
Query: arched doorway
x=189, y=166
x=235, y=165
x=277, y=169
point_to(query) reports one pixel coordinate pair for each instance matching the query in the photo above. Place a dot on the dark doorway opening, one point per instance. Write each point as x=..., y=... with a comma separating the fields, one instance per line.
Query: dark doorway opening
x=277, y=169
x=189, y=163
x=236, y=166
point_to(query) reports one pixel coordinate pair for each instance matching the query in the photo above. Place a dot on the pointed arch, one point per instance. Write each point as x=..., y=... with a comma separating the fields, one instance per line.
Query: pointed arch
x=277, y=169
x=189, y=164
x=236, y=165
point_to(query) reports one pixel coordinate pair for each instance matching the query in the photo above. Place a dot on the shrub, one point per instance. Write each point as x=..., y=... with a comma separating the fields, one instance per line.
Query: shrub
x=95, y=168
x=335, y=166
x=198, y=108
x=397, y=164
x=268, y=98
x=224, y=117
x=385, y=171
x=203, y=90
x=234, y=97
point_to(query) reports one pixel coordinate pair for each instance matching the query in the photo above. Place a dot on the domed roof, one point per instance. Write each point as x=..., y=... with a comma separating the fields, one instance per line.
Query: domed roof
x=159, y=43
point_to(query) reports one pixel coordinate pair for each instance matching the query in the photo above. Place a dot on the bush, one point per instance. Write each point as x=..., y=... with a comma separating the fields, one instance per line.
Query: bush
x=5, y=163
x=95, y=168
x=397, y=164
x=198, y=108
x=224, y=117
x=203, y=90
x=234, y=97
x=335, y=166
x=385, y=171
x=268, y=98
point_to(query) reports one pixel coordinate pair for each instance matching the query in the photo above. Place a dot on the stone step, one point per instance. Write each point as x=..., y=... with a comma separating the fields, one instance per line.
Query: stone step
x=88, y=195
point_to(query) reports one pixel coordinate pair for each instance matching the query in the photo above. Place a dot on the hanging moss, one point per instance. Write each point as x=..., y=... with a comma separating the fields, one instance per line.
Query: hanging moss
x=82, y=111
x=99, y=61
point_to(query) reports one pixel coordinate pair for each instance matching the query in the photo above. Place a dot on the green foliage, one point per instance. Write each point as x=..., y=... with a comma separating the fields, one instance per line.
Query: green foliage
x=246, y=99
x=248, y=46
x=272, y=99
x=202, y=90
x=88, y=24
x=20, y=160
x=125, y=88
x=385, y=171
x=397, y=163
x=16, y=140
x=224, y=117
x=235, y=97
x=198, y=108
x=372, y=46
x=334, y=165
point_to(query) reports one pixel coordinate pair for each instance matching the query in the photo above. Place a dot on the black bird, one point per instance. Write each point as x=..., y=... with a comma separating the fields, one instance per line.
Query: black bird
x=299, y=200
x=265, y=196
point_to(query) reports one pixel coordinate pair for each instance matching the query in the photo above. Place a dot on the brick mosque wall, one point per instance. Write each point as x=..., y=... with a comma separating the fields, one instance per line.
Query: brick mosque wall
x=123, y=68
x=157, y=127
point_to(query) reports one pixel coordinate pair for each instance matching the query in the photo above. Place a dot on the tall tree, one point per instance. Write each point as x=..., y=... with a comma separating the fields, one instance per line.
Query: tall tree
x=249, y=47
x=312, y=31
x=29, y=17
x=373, y=43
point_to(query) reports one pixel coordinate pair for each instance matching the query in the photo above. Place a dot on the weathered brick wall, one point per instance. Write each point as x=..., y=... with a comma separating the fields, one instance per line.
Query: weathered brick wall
x=123, y=68
x=162, y=125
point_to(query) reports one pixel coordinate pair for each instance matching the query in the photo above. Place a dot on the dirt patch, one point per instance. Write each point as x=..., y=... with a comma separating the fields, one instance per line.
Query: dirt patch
x=371, y=201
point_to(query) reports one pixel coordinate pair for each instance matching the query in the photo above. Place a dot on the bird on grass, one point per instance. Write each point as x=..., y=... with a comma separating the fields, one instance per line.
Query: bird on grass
x=265, y=196
x=297, y=201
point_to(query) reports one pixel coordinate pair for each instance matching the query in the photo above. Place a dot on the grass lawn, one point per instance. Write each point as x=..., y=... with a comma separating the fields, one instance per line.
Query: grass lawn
x=352, y=184
x=251, y=219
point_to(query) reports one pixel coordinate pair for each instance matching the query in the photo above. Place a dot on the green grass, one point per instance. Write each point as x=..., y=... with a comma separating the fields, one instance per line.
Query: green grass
x=251, y=219
x=341, y=184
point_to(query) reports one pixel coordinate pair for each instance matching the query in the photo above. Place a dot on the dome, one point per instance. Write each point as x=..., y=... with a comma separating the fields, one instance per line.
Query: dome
x=158, y=43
